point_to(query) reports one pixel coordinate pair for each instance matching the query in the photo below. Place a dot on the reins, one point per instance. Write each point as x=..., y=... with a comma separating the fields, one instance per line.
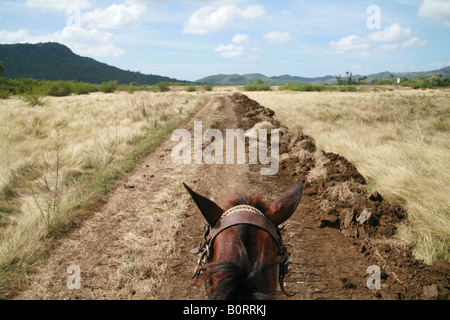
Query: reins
x=242, y=215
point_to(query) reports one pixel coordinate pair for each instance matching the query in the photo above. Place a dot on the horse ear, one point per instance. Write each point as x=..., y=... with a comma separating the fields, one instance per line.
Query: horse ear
x=211, y=211
x=282, y=209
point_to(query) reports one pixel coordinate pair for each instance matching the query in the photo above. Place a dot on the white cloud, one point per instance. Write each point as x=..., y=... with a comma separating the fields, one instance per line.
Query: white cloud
x=58, y=5
x=239, y=49
x=350, y=43
x=241, y=39
x=436, y=10
x=13, y=36
x=393, y=33
x=413, y=42
x=278, y=37
x=207, y=19
x=88, y=37
x=84, y=42
x=393, y=37
x=115, y=16
x=230, y=51
x=91, y=42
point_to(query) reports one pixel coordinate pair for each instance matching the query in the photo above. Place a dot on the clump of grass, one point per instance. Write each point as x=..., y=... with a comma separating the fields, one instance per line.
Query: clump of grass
x=33, y=99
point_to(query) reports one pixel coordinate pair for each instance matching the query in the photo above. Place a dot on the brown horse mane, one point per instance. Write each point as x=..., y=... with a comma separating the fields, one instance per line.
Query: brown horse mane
x=239, y=281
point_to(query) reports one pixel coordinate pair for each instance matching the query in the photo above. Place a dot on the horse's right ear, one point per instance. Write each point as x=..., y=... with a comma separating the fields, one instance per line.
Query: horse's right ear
x=211, y=211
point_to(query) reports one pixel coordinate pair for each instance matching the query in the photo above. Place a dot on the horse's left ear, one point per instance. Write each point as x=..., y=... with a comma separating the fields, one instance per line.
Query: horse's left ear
x=282, y=209
x=211, y=211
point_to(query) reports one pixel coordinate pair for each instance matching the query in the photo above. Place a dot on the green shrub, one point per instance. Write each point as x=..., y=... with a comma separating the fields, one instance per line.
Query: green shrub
x=301, y=87
x=4, y=94
x=108, y=87
x=19, y=86
x=128, y=88
x=258, y=87
x=82, y=88
x=59, y=88
x=191, y=89
x=208, y=87
x=163, y=87
x=348, y=89
x=386, y=82
x=33, y=99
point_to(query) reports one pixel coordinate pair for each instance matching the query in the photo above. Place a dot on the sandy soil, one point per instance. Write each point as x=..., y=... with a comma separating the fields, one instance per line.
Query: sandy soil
x=136, y=246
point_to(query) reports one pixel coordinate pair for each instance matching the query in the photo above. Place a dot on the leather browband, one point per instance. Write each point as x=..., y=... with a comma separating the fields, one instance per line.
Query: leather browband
x=248, y=218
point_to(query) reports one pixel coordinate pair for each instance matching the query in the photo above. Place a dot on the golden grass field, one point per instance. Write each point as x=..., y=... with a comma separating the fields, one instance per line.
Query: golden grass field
x=58, y=160
x=399, y=140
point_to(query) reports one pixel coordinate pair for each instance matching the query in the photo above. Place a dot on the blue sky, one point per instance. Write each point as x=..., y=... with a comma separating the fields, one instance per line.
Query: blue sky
x=191, y=39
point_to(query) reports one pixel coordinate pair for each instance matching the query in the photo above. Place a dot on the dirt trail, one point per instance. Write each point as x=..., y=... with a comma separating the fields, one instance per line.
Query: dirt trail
x=137, y=245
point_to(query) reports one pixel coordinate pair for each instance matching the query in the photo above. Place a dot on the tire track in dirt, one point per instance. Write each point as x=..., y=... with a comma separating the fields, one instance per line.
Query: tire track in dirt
x=137, y=246
x=216, y=182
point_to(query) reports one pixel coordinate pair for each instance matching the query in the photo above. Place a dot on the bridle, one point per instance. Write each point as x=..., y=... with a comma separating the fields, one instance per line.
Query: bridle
x=243, y=215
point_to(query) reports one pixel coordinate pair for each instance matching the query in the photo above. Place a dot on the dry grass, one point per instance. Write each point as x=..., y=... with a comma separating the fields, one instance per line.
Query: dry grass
x=59, y=159
x=399, y=141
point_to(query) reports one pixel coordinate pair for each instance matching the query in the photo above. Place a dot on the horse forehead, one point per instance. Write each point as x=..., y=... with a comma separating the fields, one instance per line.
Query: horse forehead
x=232, y=239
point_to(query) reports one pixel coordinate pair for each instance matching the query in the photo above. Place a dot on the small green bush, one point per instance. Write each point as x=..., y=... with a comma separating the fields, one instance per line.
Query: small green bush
x=19, y=86
x=258, y=87
x=163, y=87
x=108, y=87
x=59, y=88
x=33, y=99
x=82, y=88
x=348, y=89
x=4, y=94
x=301, y=87
x=208, y=87
x=191, y=89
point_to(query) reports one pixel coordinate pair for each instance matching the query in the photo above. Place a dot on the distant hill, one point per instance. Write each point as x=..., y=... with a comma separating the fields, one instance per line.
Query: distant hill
x=238, y=80
x=54, y=61
x=411, y=75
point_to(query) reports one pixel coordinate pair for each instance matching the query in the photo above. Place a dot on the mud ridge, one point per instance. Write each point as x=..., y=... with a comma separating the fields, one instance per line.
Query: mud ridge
x=339, y=199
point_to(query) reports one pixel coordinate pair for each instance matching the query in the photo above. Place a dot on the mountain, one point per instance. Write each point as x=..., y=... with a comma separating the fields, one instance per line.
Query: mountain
x=295, y=79
x=54, y=61
x=238, y=80
x=411, y=75
x=225, y=79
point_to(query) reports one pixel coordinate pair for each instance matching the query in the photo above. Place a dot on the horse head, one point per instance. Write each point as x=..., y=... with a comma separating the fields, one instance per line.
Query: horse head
x=243, y=254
